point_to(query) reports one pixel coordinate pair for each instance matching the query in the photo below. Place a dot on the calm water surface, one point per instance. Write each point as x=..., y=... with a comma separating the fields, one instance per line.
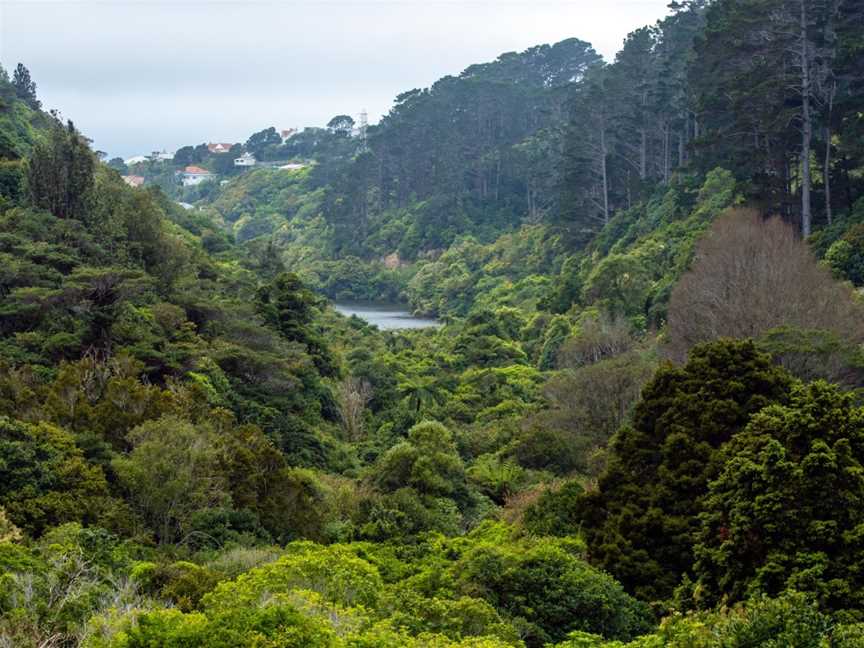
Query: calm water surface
x=385, y=316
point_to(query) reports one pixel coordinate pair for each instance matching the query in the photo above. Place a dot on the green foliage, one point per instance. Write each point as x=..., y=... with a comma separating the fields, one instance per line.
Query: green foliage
x=479, y=590
x=641, y=522
x=551, y=589
x=789, y=620
x=8, y=531
x=183, y=583
x=60, y=172
x=171, y=375
x=334, y=572
x=49, y=590
x=25, y=88
x=556, y=332
x=172, y=471
x=554, y=512
x=427, y=461
x=497, y=478
x=631, y=264
x=846, y=255
x=18, y=122
x=507, y=270
x=12, y=173
x=46, y=479
x=812, y=354
x=784, y=512
x=288, y=306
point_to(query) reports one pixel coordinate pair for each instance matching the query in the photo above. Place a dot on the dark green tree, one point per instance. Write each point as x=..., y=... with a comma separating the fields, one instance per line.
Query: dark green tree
x=46, y=479
x=787, y=510
x=118, y=165
x=263, y=143
x=61, y=172
x=641, y=521
x=341, y=124
x=587, y=202
x=289, y=307
x=224, y=164
x=553, y=590
x=186, y=155
x=25, y=88
x=766, y=78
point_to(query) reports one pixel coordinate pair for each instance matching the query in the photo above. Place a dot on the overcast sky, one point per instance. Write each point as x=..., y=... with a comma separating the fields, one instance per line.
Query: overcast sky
x=143, y=75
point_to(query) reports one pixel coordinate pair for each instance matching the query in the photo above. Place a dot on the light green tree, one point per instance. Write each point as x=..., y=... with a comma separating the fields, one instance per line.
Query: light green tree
x=173, y=470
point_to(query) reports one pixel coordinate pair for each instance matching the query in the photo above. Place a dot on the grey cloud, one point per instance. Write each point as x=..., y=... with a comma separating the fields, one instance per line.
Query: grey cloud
x=144, y=74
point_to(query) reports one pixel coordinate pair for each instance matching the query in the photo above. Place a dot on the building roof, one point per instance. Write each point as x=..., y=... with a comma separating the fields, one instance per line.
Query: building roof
x=133, y=180
x=219, y=147
x=195, y=170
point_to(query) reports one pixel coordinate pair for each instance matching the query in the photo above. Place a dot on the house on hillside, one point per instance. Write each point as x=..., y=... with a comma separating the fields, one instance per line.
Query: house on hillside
x=193, y=175
x=287, y=133
x=135, y=159
x=161, y=156
x=292, y=166
x=245, y=160
x=133, y=180
x=219, y=147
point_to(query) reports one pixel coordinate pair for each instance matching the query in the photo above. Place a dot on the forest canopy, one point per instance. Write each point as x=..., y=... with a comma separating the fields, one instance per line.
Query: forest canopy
x=638, y=423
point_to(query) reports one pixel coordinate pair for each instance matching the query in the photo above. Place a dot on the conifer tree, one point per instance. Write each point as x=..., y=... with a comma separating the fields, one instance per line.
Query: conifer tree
x=25, y=88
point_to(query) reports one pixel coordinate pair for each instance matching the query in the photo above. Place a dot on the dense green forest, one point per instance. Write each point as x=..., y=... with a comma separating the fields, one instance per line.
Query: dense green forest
x=640, y=425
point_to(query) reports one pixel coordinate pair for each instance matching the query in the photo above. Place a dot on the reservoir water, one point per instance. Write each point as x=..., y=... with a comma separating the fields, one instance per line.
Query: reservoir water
x=387, y=317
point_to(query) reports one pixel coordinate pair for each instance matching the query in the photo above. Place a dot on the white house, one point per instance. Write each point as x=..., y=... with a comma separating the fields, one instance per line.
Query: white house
x=292, y=166
x=136, y=159
x=161, y=156
x=245, y=160
x=193, y=175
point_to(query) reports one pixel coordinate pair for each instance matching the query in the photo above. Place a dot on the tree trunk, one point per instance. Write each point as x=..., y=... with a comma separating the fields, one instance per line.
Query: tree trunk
x=629, y=198
x=643, y=155
x=604, y=174
x=826, y=169
x=666, y=144
x=498, y=177
x=665, y=131
x=807, y=127
x=687, y=138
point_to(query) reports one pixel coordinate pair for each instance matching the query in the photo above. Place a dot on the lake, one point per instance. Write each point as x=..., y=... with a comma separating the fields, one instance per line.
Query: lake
x=387, y=317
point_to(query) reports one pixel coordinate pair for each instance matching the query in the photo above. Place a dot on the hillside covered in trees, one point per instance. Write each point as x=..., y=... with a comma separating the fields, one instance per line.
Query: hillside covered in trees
x=639, y=425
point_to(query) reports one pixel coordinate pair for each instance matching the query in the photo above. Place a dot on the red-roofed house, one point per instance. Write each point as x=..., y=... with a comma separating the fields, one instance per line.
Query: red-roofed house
x=194, y=175
x=219, y=147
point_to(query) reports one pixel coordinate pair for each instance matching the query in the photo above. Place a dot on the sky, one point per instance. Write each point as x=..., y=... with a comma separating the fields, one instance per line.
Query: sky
x=144, y=75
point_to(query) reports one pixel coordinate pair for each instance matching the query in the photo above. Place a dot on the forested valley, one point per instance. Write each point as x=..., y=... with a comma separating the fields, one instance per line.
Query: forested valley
x=640, y=423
